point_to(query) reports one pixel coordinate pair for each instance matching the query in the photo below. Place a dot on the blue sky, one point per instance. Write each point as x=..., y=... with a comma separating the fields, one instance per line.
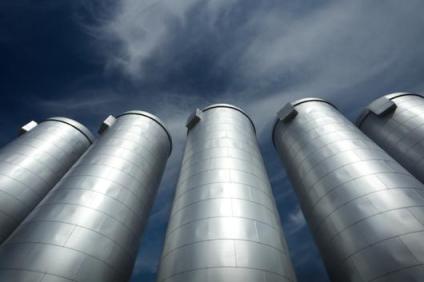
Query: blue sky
x=86, y=59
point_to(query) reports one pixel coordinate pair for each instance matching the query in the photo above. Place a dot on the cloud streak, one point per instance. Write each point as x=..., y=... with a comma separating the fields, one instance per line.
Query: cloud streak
x=266, y=52
x=169, y=57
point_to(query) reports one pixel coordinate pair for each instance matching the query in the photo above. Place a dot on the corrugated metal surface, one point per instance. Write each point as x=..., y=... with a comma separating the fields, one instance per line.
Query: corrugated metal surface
x=224, y=224
x=88, y=228
x=32, y=164
x=365, y=211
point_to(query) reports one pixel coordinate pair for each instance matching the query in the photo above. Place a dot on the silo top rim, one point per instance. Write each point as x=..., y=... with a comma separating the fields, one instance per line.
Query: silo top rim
x=154, y=118
x=364, y=114
x=78, y=126
x=310, y=99
x=400, y=94
x=230, y=107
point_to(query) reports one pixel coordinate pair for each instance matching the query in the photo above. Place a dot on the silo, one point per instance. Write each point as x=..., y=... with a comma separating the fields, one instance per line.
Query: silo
x=365, y=210
x=89, y=226
x=396, y=123
x=33, y=163
x=224, y=225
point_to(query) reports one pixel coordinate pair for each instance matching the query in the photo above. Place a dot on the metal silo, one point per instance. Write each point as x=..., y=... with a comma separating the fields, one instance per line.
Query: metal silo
x=33, y=163
x=365, y=211
x=89, y=226
x=396, y=123
x=224, y=224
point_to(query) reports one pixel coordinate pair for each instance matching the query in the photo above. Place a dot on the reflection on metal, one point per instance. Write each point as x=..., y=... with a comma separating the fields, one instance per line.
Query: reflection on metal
x=224, y=224
x=365, y=211
x=399, y=131
x=32, y=164
x=88, y=227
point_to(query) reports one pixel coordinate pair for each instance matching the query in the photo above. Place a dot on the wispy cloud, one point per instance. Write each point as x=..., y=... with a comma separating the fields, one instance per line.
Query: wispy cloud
x=174, y=56
x=296, y=221
x=259, y=54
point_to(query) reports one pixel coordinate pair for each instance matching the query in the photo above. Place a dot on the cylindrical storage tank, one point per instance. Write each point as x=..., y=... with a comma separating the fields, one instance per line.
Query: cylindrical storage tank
x=396, y=123
x=365, y=210
x=89, y=226
x=224, y=225
x=33, y=163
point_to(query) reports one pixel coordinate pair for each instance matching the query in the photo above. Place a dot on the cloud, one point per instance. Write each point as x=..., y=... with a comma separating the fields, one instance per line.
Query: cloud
x=91, y=101
x=259, y=54
x=296, y=221
x=140, y=28
x=169, y=57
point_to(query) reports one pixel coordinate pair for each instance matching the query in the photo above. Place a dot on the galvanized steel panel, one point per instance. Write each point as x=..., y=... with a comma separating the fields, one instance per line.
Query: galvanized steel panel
x=399, y=131
x=224, y=225
x=89, y=226
x=33, y=163
x=365, y=210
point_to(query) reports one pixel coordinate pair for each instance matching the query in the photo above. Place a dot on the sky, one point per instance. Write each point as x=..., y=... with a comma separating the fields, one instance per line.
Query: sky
x=86, y=59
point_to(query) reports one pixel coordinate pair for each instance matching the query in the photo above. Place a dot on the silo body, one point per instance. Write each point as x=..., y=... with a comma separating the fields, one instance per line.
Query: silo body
x=224, y=225
x=88, y=227
x=396, y=123
x=33, y=163
x=365, y=211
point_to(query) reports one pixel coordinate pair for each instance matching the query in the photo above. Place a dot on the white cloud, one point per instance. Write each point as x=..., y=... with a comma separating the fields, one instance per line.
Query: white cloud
x=278, y=54
x=269, y=53
x=296, y=222
x=141, y=26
